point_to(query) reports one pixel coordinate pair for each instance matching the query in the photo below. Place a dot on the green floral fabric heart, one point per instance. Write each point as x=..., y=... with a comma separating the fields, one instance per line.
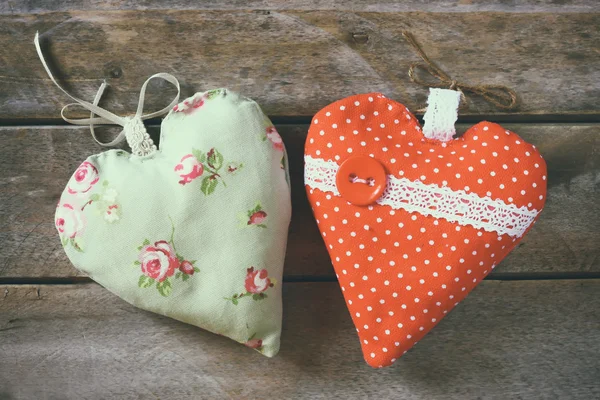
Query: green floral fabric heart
x=195, y=230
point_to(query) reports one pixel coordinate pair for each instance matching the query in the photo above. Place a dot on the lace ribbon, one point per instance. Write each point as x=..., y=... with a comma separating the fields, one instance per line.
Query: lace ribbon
x=441, y=114
x=133, y=128
x=455, y=206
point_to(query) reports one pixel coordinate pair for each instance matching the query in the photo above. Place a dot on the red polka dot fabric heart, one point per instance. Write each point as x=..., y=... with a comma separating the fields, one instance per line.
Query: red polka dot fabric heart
x=448, y=213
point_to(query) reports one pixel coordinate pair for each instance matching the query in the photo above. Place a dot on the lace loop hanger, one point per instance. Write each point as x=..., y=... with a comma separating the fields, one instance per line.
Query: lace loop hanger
x=134, y=130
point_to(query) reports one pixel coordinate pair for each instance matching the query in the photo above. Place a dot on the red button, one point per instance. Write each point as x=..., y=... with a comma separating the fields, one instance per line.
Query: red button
x=361, y=180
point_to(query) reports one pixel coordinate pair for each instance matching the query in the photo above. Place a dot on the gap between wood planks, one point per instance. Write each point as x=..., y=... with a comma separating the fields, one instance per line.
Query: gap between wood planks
x=306, y=120
x=508, y=276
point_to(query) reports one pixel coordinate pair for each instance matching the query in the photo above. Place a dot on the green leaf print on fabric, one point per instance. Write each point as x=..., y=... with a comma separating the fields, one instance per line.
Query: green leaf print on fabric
x=209, y=165
x=209, y=184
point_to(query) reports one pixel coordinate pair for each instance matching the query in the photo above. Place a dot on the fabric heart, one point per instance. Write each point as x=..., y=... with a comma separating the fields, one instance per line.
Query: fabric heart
x=195, y=230
x=447, y=214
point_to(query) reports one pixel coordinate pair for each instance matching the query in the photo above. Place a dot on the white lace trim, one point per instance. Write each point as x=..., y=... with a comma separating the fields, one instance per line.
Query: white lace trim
x=455, y=206
x=137, y=137
x=441, y=114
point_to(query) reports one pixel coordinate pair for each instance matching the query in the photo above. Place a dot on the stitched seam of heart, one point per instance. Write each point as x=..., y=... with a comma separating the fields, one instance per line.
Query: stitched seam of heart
x=455, y=206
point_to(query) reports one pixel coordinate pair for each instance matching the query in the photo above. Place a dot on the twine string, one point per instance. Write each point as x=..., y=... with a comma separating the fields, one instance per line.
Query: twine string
x=501, y=96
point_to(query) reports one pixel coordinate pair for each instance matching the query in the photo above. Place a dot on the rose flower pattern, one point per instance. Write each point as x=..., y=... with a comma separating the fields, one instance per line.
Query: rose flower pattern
x=70, y=222
x=84, y=178
x=159, y=262
x=254, y=343
x=257, y=217
x=188, y=106
x=189, y=168
x=257, y=282
x=210, y=165
x=69, y=219
x=274, y=138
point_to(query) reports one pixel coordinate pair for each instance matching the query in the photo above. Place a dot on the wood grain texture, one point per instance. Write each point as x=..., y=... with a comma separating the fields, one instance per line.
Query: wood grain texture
x=507, y=340
x=36, y=6
x=36, y=163
x=295, y=62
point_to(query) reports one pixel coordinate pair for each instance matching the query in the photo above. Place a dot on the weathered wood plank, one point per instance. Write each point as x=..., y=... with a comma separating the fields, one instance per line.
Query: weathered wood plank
x=295, y=62
x=508, y=340
x=36, y=162
x=12, y=6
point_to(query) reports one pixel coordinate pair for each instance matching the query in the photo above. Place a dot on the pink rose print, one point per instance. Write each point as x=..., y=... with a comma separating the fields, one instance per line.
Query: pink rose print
x=257, y=216
x=83, y=179
x=257, y=282
x=189, y=168
x=274, y=137
x=210, y=164
x=187, y=268
x=70, y=222
x=188, y=106
x=254, y=343
x=159, y=261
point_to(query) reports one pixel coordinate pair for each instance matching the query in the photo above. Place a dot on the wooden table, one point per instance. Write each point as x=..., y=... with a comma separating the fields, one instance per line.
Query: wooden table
x=529, y=331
